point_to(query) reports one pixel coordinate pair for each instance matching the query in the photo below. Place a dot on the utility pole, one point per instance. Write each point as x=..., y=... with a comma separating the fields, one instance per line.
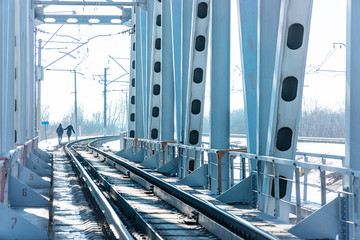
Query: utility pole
x=105, y=101
x=75, y=106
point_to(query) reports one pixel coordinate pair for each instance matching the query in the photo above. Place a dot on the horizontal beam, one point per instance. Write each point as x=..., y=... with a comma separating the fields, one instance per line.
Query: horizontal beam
x=82, y=19
x=81, y=3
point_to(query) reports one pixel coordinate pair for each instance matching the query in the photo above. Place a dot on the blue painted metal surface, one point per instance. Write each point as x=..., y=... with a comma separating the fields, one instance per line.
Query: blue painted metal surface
x=352, y=113
x=247, y=10
x=176, y=40
x=139, y=120
x=220, y=85
x=143, y=59
x=186, y=10
x=167, y=121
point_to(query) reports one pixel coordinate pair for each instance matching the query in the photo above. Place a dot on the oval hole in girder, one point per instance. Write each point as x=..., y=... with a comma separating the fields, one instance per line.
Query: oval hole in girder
x=155, y=112
x=133, y=64
x=158, y=20
x=154, y=133
x=191, y=165
x=158, y=44
x=133, y=46
x=295, y=36
x=49, y=20
x=284, y=139
x=198, y=75
x=156, y=89
x=282, y=187
x=289, y=89
x=15, y=136
x=133, y=82
x=200, y=43
x=132, y=100
x=132, y=133
x=202, y=10
x=132, y=117
x=71, y=20
x=94, y=20
x=157, y=67
x=194, y=137
x=115, y=21
x=195, y=106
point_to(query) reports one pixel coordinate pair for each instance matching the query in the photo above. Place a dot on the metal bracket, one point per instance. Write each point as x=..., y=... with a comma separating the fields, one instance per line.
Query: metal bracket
x=13, y=226
x=240, y=193
x=197, y=178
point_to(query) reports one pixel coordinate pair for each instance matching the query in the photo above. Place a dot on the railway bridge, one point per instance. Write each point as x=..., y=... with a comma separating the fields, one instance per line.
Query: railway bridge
x=257, y=191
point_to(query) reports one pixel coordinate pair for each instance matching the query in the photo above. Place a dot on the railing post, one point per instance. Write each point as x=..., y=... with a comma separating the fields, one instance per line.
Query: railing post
x=323, y=186
x=305, y=179
x=277, y=190
x=297, y=192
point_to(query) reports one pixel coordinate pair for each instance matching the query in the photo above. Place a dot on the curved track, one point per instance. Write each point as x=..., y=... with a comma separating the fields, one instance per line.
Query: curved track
x=140, y=205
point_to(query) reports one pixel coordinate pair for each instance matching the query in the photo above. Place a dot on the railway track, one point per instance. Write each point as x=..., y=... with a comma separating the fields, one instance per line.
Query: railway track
x=138, y=204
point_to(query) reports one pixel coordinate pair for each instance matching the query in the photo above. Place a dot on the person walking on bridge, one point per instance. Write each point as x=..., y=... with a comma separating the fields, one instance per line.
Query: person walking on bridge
x=59, y=132
x=69, y=129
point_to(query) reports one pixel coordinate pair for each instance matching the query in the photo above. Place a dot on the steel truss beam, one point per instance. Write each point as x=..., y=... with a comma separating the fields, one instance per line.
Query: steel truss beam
x=197, y=72
x=82, y=19
x=290, y=62
x=81, y=3
x=156, y=87
x=132, y=81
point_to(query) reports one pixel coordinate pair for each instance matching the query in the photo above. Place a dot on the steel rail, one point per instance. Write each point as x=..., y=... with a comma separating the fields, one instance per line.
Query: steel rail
x=109, y=213
x=234, y=224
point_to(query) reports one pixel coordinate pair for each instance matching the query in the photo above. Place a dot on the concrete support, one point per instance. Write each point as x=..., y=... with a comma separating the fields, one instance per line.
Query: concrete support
x=7, y=71
x=220, y=87
x=167, y=121
x=352, y=110
x=176, y=40
x=186, y=10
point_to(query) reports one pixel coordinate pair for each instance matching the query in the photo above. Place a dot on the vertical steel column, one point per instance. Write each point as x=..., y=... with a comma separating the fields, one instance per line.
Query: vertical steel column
x=156, y=71
x=268, y=17
x=21, y=66
x=38, y=93
x=247, y=16
x=149, y=48
x=186, y=10
x=197, y=72
x=143, y=68
x=176, y=40
x=220, y=86
x=352, y=110
x=132, y=79
x=7, y=71
x=167, y=121
x=139, y=123
x=30, y=128
x=294, y=29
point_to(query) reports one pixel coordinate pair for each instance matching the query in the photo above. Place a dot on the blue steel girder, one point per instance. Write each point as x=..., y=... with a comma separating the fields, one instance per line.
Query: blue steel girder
x=139, y=120
x=293, y=37
x=83, y=19
x=199, y=39
x=155, y=87
x=132, y=81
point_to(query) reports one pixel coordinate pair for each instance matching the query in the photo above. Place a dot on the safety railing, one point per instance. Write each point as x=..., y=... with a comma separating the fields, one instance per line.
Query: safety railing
x=9, y=165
